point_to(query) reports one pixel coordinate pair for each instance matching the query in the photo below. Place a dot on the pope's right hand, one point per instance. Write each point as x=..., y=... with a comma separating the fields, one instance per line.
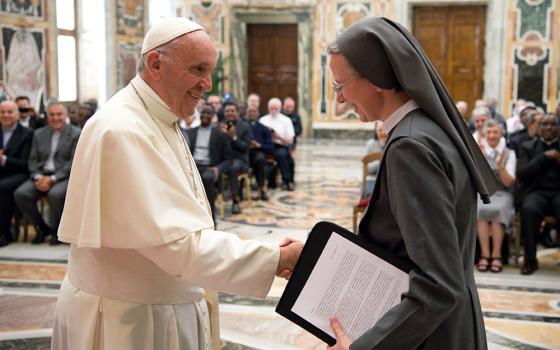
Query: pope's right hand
x=290, y=251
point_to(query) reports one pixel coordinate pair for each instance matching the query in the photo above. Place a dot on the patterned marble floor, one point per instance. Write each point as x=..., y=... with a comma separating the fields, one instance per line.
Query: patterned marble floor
x=520, y=312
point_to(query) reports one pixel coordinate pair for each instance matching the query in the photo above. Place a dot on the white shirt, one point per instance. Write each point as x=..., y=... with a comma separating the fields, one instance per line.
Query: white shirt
x=511, y=162
x=483, y=144
x=49, y=165
x=395, y=117
x=514, y=124
x=24, y=121
x=281, y=124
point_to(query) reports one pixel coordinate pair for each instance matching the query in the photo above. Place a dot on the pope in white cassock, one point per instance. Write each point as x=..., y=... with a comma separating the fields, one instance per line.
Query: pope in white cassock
x=143, y=245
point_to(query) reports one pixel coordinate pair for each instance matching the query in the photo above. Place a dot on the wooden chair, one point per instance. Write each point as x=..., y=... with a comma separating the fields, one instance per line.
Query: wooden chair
x=245, y=183
x=22, y=224
x=517, y=232
x=361, y=207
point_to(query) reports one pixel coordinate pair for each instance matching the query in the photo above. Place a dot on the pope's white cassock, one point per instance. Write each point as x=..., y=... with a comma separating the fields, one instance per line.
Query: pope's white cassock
x=142, y=240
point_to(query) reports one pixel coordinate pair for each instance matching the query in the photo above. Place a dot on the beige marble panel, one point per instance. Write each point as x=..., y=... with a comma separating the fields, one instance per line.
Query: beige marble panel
x=509, y=301
x=34, y=272
x=546, y=335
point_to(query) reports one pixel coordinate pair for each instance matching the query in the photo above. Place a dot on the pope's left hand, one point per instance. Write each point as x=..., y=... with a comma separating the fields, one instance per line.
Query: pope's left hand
x=343, y=341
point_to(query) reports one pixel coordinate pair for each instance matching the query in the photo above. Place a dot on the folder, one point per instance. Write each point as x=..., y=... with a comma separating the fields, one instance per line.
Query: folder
x=340, y=273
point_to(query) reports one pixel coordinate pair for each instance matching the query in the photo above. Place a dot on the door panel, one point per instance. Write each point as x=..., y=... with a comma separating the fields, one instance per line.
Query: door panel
x=272, y=61
x=453, y=38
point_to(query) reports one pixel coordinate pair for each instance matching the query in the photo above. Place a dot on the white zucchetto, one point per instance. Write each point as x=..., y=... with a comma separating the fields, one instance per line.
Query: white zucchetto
x=167, y=30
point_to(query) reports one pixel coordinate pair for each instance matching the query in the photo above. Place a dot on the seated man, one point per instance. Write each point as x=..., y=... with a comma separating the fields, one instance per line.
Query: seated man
x=538, y=169
x=50, y=161
x=240, y=134
x=531, y=118
x=15, y=145
x=28, y=117
x=282, y=136
x=261, y=147
x=211, y=150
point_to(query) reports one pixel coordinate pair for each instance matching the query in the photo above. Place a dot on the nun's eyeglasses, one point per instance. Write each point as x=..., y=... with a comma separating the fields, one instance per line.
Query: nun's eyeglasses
x=337, y=87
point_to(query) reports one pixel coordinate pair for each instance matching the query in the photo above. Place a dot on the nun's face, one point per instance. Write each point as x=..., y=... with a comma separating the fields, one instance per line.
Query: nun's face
x=359, y=93
x=186, y=74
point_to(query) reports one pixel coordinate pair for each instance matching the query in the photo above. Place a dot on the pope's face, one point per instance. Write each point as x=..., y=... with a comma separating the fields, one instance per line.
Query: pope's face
x=365, y=97
x=186, y=74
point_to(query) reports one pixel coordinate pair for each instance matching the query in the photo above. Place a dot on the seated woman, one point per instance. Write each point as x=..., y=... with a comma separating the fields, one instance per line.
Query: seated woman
x=493, y=217
x=375, y=144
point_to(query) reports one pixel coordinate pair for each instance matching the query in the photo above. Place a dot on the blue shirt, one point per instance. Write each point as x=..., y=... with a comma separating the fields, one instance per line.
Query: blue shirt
x=262, y=135
x=7, y=135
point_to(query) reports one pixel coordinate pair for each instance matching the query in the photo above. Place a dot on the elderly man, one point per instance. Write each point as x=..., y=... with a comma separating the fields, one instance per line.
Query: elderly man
x=15, y=145
x=423, y=207
x=530, y=117
x=143, y=244
x=463, y=107
x=283, y=137
x=538, y=169
x=50, y=161
x=216, y=102
x=254, y=101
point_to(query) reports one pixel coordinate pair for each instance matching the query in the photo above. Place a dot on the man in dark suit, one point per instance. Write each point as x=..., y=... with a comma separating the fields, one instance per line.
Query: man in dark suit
x=211, y=150
x=50, y=161
x=240, y=135
x=423, y=207
x=261, y=148
x=28, y=117
x=15, y=145
x=538, y=170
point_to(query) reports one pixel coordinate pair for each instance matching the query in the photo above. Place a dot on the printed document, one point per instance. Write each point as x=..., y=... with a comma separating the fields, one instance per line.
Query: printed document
x=352, y=284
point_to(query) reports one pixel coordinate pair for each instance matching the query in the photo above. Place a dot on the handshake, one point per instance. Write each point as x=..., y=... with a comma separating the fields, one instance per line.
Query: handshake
x=290, y=251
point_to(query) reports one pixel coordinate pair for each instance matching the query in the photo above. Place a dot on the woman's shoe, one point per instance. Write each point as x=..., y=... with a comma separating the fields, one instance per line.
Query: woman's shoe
x=496, y=267
x=483, y=264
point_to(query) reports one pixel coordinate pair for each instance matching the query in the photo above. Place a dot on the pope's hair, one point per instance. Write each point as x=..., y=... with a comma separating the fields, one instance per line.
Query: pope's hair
x=165, y=50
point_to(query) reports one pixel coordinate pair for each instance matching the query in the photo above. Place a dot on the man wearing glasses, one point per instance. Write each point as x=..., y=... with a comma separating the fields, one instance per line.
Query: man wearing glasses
x=423, y=207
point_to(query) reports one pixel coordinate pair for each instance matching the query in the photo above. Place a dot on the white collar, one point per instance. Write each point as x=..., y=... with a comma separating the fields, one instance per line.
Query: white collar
x=395, y=117
x=156, y=107
x=499, y=148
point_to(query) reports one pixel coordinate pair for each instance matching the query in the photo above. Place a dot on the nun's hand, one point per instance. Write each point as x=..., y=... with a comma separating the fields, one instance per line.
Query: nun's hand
x=343, y=341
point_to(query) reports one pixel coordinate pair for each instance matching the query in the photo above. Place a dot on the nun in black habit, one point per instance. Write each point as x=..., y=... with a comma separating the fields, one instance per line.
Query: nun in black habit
x=423, y=207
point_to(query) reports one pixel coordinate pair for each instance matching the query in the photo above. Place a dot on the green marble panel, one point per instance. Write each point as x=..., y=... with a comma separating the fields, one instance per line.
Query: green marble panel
x=534, y=17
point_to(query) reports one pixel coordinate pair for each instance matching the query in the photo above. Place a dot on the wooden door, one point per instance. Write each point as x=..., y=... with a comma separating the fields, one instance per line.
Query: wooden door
x=273, y=66
x=453, y=38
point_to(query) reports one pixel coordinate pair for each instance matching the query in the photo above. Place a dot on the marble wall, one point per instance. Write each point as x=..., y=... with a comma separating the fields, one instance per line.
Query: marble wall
x=26, y=45
x=520, y=59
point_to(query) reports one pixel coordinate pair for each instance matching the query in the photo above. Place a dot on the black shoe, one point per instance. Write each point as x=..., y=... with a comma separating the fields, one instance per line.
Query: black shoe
x=291, y=186
x=529, y=267
x=235, y=208
x=42, y=233
x=284, y=187
x=54, y=241
x=546, y=240
x=4, y=241
x=264, y=196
